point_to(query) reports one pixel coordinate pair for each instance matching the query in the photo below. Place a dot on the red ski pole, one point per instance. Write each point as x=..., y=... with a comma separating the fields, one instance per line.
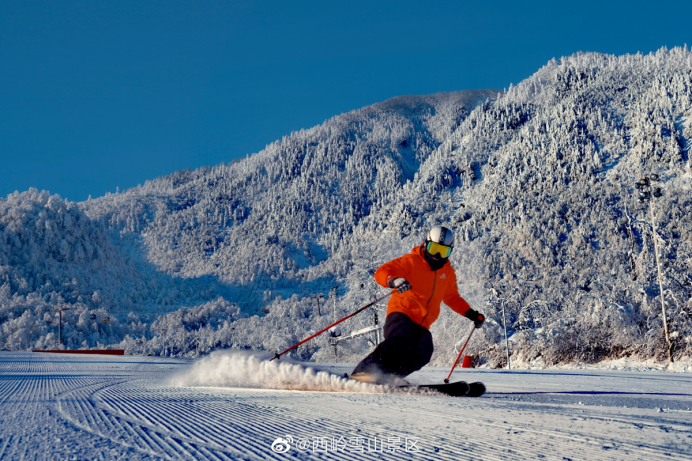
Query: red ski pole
x=459, y=356
x=278, y=356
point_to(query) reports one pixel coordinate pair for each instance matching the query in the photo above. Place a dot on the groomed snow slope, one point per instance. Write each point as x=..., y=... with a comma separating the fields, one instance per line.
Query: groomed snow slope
x=71, y=407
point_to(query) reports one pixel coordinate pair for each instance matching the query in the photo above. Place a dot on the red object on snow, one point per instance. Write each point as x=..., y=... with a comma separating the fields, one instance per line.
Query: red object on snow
x=93, y=351
x=468, y=362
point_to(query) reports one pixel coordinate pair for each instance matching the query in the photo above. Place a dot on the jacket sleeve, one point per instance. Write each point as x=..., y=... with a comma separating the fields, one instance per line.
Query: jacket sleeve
x=452, y=298
x=398, y=267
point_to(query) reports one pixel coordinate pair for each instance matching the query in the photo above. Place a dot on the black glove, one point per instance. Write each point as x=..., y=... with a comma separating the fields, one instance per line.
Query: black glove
x=399, y=284
x=476, y=317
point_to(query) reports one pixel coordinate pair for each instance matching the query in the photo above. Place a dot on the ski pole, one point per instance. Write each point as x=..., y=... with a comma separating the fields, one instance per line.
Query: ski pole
x=459, y=356
x=278, y=356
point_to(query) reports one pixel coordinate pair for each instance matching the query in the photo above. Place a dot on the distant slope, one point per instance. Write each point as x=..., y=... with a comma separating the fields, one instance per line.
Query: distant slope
x=537, y=182
x=273, y=220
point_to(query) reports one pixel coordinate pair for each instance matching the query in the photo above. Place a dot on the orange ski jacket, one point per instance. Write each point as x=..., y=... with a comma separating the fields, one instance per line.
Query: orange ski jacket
x=428, y=288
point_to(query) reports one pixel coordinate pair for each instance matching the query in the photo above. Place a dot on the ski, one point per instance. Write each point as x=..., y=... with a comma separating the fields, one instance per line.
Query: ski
x=457, y=389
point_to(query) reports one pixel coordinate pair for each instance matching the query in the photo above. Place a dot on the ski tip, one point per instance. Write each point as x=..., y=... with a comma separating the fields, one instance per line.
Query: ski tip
x=476, y=389
x=455, y=389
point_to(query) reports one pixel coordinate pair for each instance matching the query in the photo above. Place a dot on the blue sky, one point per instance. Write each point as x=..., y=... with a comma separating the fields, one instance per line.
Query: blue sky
x=96, y=95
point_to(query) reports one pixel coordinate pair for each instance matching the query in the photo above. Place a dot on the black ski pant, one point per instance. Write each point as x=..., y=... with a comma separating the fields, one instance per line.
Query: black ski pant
x=406, y=348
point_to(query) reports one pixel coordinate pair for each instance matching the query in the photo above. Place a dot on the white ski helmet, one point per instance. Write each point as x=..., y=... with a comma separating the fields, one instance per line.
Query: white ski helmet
x=441, y=236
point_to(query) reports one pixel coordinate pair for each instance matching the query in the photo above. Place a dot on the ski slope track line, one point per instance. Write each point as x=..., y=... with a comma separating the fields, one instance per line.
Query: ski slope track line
x=90, y=407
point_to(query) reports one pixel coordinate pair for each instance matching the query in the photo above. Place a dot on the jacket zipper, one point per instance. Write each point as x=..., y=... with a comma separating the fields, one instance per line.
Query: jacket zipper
x=431, y=297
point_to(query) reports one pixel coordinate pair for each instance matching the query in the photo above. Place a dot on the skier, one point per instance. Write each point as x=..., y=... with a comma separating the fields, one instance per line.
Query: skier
x=422, y=279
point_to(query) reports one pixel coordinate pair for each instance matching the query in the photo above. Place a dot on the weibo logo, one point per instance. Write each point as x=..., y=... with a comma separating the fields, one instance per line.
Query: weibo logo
x=282, y=445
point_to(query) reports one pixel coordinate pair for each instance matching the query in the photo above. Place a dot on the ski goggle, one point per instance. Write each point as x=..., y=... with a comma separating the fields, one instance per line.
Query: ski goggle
x=443, y=250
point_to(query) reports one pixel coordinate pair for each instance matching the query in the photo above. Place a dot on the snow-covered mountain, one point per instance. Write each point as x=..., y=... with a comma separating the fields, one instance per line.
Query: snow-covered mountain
x=538, y=182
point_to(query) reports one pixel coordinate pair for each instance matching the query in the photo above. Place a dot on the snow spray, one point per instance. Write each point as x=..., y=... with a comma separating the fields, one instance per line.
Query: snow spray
x=243, y=369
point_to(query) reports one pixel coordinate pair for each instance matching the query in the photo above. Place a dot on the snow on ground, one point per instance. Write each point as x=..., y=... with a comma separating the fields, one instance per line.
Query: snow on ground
x=71, y=407
x=630, y=364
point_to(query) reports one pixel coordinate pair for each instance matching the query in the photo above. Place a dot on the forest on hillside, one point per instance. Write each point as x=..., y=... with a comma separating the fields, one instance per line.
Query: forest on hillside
x=538, y=182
